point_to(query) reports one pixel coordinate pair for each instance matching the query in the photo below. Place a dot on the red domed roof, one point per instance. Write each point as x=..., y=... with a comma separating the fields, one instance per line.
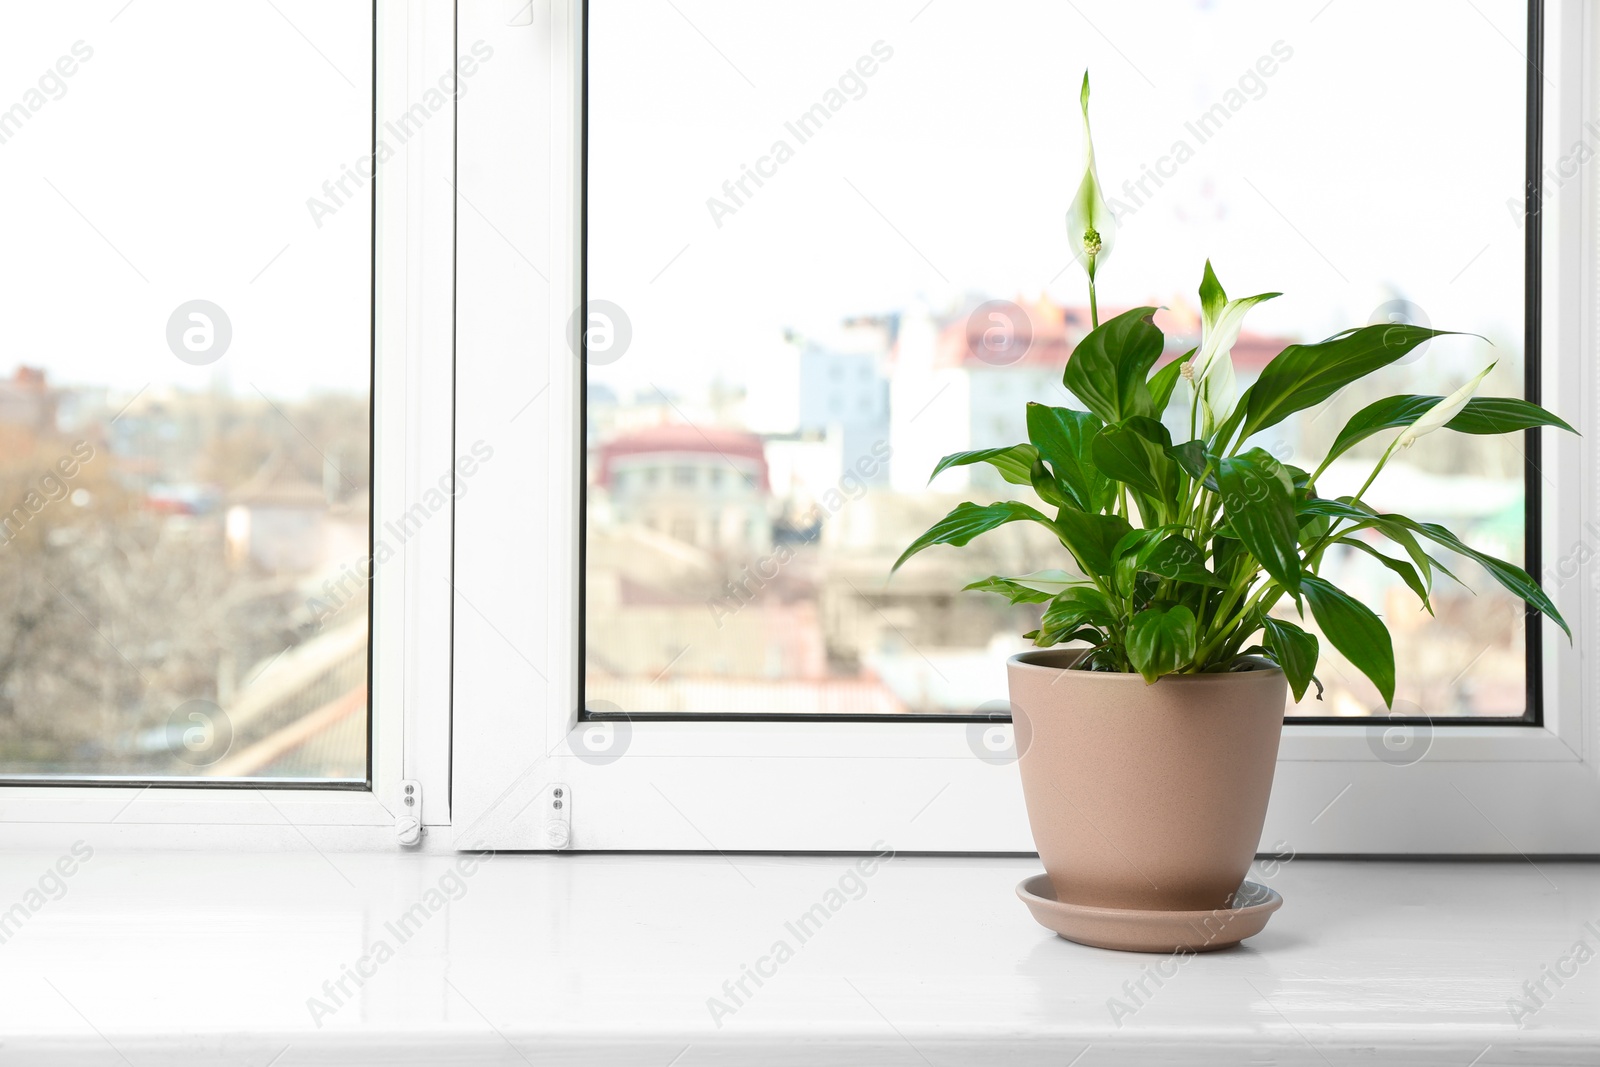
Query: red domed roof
x=679, y=439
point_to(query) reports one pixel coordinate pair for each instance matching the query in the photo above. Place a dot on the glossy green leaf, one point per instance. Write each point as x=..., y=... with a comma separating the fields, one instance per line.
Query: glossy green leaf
x=1482, y=415
x=1258, y=500
x=1161, y=640
x=1352, y=628
x=1406, y=571
x=1091, y=538
x=1191, y=456
x=1225, y=552
x=1051, y=581
x=1013, y=462
x=1294, y=650
x=1129, y=456
x=1046, y=638
x=1302, y=376
x=1178, y=558
x=1006, y=587
x=1502, y=414
x=1062, y=437
x=1513, y=578
x=1048, y=486
x=967, y=521
x=1077, y=607
x=1107, y=370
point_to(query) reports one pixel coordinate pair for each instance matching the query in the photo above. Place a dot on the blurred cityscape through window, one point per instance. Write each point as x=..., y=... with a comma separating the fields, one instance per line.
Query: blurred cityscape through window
x=185, y=398
x=829, y=243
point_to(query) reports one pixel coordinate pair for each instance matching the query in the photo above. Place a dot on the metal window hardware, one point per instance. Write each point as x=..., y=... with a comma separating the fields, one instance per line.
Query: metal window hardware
x=408, y=826
x=558, y=816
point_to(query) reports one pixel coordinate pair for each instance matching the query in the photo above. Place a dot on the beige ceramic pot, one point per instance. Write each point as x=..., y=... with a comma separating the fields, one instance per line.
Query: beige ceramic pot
x=1145, y=796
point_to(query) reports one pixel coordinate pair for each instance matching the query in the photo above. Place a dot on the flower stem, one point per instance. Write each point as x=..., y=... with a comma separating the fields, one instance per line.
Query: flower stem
x=1094, y=309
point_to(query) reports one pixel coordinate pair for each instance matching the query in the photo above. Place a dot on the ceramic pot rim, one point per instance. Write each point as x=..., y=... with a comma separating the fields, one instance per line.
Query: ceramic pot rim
x=1063, y=659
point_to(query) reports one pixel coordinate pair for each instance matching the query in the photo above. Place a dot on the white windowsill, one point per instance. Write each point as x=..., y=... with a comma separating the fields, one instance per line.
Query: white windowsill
x=211, y=958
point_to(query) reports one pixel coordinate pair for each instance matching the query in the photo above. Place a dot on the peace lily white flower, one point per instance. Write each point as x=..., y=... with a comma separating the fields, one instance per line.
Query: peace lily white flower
x=1091, y=228
x=1440, y=413
x=1211, y=370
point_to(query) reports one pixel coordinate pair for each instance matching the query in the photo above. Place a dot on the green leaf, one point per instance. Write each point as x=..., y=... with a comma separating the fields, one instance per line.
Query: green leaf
x=1051, y=581
x=1294, y=650
x=1125, y=559
x=1062, y=437
x=1512, y=577
x=1482, y=415
x=1191, y=456
x=1045, y=638
x=1048, y=486
x=1152, y=430
x=1225, y=551
x=1366, y=518
x=1129, y=456
x=967, y=521
x=1258, y=499
x=1107, y=370
x=1164, y=381
x=1177, y=557
x=1013, y=462
x=1075, y=607
x=1355, y=631
x=1502, y=414
x=1090, y=538
x=1160, y=640
x=1302, y=376
x=1406, y=571
x=1012, y=591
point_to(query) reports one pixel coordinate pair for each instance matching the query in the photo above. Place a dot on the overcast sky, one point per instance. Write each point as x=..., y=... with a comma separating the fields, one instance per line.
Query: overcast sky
x=1378, y=157
x=176, y=163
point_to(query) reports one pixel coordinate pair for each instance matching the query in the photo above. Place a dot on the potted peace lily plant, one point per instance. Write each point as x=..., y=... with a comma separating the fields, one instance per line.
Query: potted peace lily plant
x=1148, y=717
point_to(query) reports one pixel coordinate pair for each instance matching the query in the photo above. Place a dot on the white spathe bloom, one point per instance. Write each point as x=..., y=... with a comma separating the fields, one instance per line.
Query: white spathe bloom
x=1440, y=413
x=1212, y=371
x=1091, y=228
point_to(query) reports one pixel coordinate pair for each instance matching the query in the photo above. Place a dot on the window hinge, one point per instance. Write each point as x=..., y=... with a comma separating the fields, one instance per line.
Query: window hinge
x=408, y=824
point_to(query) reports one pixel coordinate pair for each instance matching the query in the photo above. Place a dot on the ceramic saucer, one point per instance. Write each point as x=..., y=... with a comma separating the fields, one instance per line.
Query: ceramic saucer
x=1151, y=931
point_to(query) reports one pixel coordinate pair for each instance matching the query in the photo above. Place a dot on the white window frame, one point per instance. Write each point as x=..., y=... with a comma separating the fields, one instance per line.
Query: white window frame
x=412, y=407
x=917, y=785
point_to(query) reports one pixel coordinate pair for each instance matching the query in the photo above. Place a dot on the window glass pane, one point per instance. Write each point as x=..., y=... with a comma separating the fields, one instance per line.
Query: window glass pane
x=185, y=389
x=813, y=217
